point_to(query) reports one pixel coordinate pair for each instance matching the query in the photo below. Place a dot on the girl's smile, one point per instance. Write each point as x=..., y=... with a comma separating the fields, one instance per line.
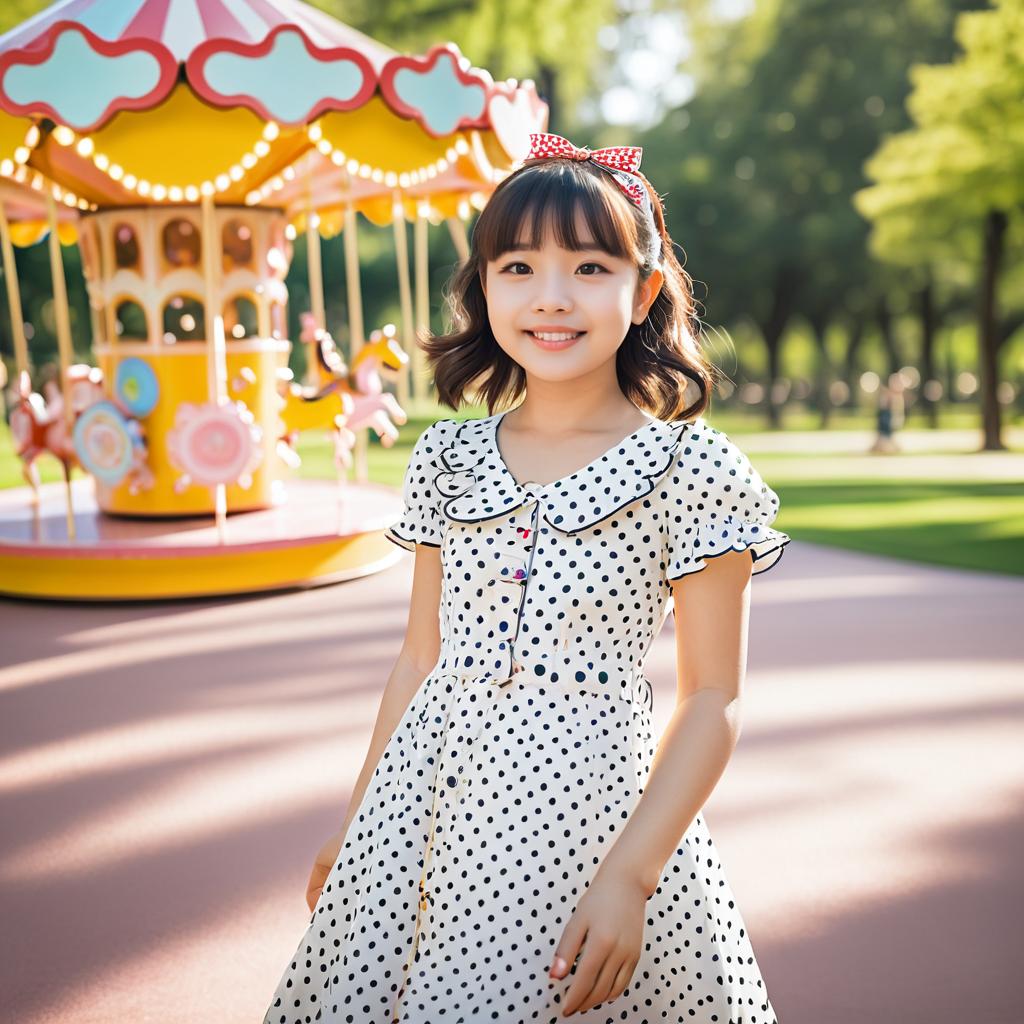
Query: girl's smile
x=555, y=341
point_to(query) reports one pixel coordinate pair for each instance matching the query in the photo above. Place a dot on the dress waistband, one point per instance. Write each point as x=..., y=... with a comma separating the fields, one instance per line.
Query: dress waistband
x=558, y=670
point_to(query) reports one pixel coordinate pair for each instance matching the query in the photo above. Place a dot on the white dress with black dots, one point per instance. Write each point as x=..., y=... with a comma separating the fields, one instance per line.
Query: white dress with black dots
x=523, y=752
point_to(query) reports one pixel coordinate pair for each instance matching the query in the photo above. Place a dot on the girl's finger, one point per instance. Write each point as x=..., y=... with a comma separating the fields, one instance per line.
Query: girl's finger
x=592, y=962
x=623, y=977
x=603, y=984
x=569, y=947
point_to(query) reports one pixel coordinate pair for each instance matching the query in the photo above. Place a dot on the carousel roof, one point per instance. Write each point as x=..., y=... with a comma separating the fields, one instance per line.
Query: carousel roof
x=183, y=25
x=82, y=61
x=164, y=100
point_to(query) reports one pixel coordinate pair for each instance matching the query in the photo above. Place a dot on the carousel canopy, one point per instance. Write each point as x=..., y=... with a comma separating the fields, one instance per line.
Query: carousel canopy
x=122, y=102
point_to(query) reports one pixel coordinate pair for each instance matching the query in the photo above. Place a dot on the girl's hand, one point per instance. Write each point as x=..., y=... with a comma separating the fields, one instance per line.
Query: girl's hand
x=326, y=858
x=610, y=917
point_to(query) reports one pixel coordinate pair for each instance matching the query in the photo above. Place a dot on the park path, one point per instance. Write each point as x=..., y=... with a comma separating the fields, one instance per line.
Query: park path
x=167, y=773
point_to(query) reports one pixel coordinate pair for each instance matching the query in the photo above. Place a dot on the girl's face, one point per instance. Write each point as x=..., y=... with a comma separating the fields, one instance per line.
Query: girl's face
x=588, y=294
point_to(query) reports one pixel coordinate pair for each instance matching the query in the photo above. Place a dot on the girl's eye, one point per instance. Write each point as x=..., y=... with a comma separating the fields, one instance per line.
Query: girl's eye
x=508, y=266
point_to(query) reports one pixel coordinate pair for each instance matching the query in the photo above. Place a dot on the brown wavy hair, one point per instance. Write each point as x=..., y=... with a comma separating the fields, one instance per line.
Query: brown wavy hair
x=656, y=358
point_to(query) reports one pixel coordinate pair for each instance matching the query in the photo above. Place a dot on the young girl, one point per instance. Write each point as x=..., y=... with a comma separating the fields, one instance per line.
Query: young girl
x=514, y=850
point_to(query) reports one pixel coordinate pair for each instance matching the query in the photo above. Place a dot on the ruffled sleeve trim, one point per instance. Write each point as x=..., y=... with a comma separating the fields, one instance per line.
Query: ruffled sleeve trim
x=421, y=521
x=765, y=544
x=718, y=503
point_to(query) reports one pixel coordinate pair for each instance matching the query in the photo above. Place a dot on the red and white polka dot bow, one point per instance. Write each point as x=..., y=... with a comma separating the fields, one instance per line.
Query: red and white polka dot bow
x=614, y=158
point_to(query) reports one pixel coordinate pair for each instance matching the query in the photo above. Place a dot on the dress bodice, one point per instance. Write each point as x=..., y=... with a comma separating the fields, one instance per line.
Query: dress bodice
x=570, y=582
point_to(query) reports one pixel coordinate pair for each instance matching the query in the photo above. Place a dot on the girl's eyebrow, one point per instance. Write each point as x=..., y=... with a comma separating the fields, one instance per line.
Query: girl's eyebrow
x=586, y=245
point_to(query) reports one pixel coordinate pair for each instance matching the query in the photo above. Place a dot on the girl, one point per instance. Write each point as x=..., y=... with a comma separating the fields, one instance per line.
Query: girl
x=514, y=850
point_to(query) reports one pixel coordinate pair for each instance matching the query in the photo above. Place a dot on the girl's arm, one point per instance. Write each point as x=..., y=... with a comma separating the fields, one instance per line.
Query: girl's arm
x=711, y=608
x=711, y=620
x=418, y=655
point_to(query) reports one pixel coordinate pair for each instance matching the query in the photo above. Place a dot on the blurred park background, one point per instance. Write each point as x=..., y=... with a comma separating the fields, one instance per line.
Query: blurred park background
x=845, y=179
x=845, y=182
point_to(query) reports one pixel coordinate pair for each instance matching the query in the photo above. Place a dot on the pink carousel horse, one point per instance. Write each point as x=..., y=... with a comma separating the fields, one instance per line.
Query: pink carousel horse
x=342, y=400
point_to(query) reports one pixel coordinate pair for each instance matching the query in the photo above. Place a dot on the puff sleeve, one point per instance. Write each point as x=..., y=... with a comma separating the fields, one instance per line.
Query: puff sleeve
x=717, y=502
x=421, y=521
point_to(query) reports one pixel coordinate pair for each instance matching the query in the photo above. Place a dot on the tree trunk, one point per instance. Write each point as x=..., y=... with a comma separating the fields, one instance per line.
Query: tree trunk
x=951, y=371
x=854, y=337
x=547, y=89
x=772, y=330
x=927, y=305
x=773, y=342
x=822, y=386
x=888, y=338
x=988, y=329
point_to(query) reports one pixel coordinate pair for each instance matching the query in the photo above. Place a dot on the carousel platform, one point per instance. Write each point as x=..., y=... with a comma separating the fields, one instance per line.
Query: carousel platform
x=320, y=534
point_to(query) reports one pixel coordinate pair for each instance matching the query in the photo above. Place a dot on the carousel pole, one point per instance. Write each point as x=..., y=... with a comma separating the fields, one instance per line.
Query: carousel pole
x=13, y=296
x=355, y=322
x=316, y=282
x=404, y=290
x=107, y=259
x=422, y=297
x=457, y=228
x=216, y=355
x=64, y=347
x=93, y=273
x=316, y=295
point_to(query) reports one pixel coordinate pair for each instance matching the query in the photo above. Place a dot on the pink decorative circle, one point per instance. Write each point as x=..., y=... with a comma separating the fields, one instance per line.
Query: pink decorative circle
x=214, y=444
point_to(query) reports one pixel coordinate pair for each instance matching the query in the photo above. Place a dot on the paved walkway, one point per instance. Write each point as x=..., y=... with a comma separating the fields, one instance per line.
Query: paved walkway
x=167, y=773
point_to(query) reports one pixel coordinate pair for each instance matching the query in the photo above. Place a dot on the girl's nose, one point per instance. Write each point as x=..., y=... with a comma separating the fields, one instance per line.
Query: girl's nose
x=551, y=299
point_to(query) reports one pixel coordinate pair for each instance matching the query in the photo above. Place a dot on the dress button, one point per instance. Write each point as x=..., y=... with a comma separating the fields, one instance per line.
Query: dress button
x=452, y=782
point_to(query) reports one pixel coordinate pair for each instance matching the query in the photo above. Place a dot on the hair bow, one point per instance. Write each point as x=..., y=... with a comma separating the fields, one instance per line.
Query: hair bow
x=622, y=161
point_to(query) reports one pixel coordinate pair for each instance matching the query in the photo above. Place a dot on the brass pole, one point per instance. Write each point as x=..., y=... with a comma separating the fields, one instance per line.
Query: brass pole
x=404, y=292
x=13, y=296
x=422, y=250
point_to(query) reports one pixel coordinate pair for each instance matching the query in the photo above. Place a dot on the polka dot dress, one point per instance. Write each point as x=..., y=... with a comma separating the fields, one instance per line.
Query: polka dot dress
x=518, y=761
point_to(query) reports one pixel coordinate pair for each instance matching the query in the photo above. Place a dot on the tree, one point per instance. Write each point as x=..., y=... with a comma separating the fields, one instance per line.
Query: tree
x=760, y=166
x=950, y=187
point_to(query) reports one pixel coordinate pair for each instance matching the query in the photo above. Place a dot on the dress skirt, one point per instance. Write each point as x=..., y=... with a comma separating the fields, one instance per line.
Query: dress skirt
x=486, y=818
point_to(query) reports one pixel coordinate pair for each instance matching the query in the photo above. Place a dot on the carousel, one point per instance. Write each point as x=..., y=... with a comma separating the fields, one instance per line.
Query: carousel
x=199, y=154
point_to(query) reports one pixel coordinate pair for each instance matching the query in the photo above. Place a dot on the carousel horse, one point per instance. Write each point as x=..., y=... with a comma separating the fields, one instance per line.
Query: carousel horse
x=341, y=401
x=102, y=437
x=37, y=426
x=376, y=407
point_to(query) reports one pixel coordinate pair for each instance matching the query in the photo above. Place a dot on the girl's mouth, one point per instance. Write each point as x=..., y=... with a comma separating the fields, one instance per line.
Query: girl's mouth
x=553, y=341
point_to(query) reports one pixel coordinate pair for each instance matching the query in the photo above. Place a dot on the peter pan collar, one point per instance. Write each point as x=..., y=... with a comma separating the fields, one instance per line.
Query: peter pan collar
x=475, y=484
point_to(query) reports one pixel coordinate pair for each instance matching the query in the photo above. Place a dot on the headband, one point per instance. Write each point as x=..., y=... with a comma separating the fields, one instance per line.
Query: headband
x=621, y=162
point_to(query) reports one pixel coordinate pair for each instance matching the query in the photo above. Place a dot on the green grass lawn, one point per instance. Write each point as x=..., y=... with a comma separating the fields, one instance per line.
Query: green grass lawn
x=938, y=501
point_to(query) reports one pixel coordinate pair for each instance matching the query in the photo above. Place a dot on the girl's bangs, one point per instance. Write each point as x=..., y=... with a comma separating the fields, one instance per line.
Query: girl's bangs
x=555, y=199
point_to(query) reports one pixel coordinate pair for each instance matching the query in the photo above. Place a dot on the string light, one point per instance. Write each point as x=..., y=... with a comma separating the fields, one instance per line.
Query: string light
x=18, y=170
x=391, y=179
x=85, y=146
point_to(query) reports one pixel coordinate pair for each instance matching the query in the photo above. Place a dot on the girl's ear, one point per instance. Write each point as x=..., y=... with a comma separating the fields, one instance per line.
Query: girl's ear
x=646, y=293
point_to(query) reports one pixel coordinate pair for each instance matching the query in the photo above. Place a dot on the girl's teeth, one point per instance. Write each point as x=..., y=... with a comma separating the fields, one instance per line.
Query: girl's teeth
x=555, y=337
